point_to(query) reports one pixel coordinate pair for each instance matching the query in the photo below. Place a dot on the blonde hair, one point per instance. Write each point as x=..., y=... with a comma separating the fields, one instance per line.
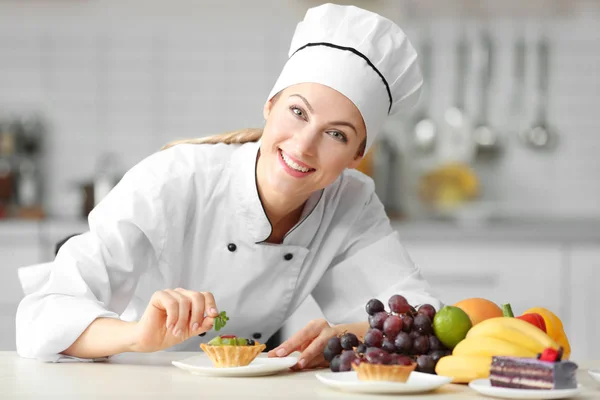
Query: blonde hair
x=239, y=136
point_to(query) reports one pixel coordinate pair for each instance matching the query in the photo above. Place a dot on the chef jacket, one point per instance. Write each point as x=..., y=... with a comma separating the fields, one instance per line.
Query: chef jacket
x=191, y=217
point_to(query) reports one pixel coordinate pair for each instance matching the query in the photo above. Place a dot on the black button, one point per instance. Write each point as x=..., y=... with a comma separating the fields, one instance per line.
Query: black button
x=288, y=256
x=202, y=334
x=231, y=247
x=257, y=335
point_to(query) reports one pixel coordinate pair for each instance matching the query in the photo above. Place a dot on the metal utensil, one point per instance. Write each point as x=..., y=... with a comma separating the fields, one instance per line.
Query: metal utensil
x=424, y=134
x=540, y=135
x=486, y=137
x=456, y=143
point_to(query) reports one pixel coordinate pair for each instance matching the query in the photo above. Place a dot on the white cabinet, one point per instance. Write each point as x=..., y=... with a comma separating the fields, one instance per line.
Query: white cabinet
x=584, y=328
x=522, y=275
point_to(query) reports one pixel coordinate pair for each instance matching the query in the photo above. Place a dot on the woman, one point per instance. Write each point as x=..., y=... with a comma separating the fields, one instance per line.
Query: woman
x=252, y=222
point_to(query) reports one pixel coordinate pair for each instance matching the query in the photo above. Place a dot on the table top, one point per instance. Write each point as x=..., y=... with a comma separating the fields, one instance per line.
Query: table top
x=152, y=376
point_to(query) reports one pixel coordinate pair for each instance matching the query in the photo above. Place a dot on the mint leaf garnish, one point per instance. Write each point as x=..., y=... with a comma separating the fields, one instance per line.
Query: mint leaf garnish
x=221, y=320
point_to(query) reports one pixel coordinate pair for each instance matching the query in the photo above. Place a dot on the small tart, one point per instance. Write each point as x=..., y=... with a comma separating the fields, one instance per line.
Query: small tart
x=226, y=356
x=378, y=372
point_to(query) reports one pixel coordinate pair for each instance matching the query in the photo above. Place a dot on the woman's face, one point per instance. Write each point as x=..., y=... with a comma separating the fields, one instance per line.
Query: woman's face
x=312, y=134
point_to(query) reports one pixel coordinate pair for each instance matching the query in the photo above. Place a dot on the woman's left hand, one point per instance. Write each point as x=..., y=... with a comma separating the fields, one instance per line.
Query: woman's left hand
x=310, y=341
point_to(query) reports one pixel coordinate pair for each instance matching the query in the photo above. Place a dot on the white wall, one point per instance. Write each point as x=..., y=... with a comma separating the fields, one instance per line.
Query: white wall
x=128, y=76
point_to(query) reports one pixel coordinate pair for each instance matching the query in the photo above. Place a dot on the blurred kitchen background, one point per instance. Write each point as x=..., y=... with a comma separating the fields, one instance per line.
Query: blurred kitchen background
x=492, y=182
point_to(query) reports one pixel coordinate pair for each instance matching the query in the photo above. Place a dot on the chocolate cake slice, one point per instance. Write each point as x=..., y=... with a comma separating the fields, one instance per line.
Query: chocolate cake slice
x=532, y=373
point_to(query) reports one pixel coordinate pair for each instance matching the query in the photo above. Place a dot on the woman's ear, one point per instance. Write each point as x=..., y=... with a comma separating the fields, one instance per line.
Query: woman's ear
x=356, y=162
x=267, y=109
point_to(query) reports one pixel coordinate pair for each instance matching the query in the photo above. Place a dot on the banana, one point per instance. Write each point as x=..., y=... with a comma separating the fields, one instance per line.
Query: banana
x=464, y=369
x=507, y=333
x=490, y=346
x=499, y=324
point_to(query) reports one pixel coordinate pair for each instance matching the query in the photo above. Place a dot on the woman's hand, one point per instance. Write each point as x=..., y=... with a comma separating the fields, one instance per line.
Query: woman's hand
x=172, y=317
x=311, y=341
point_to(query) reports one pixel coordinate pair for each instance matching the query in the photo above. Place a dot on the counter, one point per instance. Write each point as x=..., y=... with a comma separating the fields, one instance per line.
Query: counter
x=557, y=230
x=151, y=376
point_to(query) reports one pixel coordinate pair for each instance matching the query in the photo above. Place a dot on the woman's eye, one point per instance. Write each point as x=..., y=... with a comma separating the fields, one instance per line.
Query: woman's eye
x=338, y=136
x=297, y=111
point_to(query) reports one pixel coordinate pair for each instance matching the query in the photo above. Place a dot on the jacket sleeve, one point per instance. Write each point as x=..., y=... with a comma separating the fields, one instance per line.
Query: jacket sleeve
x=372, y=264
x=95, y=274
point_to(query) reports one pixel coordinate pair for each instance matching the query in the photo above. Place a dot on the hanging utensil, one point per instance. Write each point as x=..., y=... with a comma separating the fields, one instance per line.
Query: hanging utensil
x=541, y=136
x=424, y=133
x=516, y=105
x=486, y=137
x=456, y=144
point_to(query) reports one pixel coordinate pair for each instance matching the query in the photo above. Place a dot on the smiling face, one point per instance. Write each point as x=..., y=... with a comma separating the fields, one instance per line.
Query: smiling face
x=312, y=134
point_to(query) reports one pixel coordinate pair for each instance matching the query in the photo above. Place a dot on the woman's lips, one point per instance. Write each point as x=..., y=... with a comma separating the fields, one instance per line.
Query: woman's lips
x=292, y=171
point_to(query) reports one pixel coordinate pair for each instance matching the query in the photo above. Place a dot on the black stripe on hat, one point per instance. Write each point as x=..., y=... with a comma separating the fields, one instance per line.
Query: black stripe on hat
x=361, y=55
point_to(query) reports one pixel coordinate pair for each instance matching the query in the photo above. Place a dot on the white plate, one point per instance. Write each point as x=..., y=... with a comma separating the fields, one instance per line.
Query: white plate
x=595, y=374
x=484, y=386
x=261, y=366
x=417, y=382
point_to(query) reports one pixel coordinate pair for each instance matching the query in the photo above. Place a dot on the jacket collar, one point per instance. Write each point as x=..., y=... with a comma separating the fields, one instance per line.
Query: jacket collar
x=249, y=209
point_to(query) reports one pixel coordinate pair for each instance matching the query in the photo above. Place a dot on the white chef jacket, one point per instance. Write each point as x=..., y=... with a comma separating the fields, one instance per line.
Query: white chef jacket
x=190, y=216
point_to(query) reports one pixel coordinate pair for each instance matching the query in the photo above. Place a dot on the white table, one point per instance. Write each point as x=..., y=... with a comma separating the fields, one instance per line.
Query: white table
x=151, y=376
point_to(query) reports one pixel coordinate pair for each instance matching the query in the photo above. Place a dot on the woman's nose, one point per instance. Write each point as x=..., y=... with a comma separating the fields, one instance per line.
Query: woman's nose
x=306, y=141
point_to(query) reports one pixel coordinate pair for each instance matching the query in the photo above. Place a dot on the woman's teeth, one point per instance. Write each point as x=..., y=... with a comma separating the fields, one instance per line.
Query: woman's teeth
x=292, y=164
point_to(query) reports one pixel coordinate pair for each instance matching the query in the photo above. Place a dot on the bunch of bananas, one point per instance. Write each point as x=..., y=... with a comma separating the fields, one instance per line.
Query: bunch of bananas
x=500, y=336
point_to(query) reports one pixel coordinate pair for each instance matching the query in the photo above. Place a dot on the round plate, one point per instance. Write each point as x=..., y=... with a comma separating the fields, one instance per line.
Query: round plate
x=417, y=382
x=595, y=374
x=484, y=386
x=261, y=366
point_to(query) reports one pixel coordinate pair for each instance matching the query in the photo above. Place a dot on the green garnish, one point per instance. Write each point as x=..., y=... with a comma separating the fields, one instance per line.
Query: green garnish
x=221, y=320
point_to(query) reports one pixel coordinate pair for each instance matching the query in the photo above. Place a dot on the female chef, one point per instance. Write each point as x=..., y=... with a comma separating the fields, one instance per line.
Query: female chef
x=251, y=222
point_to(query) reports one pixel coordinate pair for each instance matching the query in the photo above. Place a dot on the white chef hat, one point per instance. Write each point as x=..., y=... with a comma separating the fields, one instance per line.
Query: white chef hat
x=362, y=55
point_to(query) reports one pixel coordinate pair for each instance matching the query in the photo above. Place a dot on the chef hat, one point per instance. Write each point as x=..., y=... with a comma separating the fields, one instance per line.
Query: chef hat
x=362, y=55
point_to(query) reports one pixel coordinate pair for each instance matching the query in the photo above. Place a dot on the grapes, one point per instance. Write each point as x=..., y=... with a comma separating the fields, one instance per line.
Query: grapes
x=328, y=354
x=398, y=304
x=362, y=348
x=407, y=323
x=403, y=343
x=374, y=338
x=421, y=345
x=378, y=356
x=414, y=334
x=346, y=360
x=334, y=365
x=435, y=344
x=388, y=345
x=348, y=341
x=428, y=310
x=425, y=364
x=376, y=321
x=437, y=354
x=334, y=345
x=392, y=326
x=374, y=306
x=399, y=359
x=422, y=324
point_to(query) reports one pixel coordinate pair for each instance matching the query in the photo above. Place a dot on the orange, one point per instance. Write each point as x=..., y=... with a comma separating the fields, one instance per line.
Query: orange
x=479, y=309
x=554, y=328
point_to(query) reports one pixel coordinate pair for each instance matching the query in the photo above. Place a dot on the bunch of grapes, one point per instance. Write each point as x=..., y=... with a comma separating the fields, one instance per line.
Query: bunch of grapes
x=400, y=336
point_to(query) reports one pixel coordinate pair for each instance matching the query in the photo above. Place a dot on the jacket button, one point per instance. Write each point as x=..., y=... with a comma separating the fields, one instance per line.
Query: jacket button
x=231, y=247
x=288, y=256
x=202, y=334
x=257, y=335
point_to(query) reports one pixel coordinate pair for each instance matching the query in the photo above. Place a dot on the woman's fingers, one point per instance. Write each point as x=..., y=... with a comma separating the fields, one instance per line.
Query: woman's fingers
x=185, y=307
x=202, y=303
x=313, y=354
x=300, y=339
x=164, y=301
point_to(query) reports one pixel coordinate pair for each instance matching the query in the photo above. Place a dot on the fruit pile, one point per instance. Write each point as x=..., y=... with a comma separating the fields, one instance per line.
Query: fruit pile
x=399, y=337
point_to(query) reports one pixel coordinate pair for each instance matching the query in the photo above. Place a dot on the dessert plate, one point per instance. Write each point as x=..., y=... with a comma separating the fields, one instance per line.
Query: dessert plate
x=484, y=386
x=595, y=374
x=261, y=366
x=417, y=382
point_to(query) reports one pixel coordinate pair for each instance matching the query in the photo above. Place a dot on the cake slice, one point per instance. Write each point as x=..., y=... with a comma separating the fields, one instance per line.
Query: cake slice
x=543, y=373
